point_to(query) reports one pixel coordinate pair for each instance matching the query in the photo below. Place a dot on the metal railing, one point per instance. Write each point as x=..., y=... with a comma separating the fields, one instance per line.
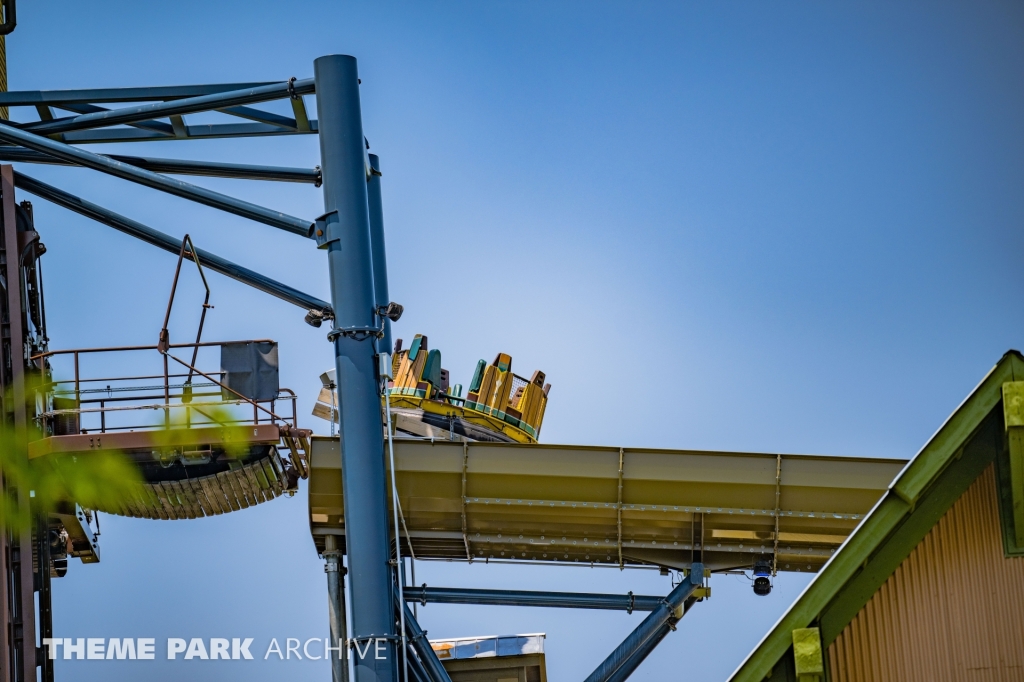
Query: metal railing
x=105, y=401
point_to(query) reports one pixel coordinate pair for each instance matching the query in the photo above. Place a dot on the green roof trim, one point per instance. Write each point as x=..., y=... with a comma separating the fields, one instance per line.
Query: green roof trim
x=954, y=481
x=926, y=488
x=1004, y=480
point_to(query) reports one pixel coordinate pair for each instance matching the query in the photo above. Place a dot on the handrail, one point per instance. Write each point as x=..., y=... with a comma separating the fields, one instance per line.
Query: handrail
x=151, y=406
x=228, y=388
x=132, y=378
x=75, y=386
x=284, y=393
x=165, y=341
x=129, y=398
x=111, y=349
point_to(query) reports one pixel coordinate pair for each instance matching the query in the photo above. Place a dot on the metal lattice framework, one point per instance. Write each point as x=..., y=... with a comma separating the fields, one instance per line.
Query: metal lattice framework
x=351, y=231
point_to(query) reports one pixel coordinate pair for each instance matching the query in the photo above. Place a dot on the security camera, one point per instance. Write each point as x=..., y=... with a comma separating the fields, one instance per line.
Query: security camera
x=762, y=577
x=392, y=311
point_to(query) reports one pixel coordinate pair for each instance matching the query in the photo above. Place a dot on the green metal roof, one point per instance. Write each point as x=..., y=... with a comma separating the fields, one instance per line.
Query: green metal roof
x=932, y=481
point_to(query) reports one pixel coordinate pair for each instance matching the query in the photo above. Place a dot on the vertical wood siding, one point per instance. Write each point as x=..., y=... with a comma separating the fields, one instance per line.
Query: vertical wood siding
x=953, y=610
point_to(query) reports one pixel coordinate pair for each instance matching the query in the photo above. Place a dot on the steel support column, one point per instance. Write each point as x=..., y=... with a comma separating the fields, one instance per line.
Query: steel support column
x=630, y=665
x=336, y=609
x=651, y=626
x=17, y=562
x=380, y=260
x=346, y=227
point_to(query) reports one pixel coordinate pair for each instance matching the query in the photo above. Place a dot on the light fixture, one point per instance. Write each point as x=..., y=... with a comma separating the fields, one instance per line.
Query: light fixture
x=392, y=311
x=314, y=318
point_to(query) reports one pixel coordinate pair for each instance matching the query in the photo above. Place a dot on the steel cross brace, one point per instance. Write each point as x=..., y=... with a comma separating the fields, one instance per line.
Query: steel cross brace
x=628, y=655
x=168, y=243
x=356, y=261
x=204, y=131
x=630, y=665
x=213, y=169
x=418, y=641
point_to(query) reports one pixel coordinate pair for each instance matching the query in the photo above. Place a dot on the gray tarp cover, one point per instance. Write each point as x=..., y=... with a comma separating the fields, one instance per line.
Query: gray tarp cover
x=251, y=369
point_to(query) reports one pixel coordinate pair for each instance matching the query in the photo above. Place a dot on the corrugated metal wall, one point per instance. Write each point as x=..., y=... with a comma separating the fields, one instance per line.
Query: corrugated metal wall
x=953, y=610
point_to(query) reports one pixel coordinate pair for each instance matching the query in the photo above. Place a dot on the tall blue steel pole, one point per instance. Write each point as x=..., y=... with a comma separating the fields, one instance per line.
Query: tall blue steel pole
x=380, y=261
x=346, y=235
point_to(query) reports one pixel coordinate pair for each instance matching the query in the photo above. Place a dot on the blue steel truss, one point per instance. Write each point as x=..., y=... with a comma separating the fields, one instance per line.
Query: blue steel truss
x=351, y=231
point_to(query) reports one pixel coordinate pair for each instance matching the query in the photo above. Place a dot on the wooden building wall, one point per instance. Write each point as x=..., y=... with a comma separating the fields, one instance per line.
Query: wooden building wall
x=953, y=610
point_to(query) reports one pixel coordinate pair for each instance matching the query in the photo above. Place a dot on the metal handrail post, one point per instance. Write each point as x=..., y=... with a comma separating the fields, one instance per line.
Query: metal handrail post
x=346, y=236
x=78, y=386
x=167, y=395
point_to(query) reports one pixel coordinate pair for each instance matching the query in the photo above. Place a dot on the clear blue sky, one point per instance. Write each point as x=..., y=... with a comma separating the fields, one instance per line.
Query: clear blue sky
x=782, y=227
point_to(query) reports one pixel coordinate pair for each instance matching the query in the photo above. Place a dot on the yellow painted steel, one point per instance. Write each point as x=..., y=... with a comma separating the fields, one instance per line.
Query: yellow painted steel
x=606, y=505
x=399, y=402
x=498, y=400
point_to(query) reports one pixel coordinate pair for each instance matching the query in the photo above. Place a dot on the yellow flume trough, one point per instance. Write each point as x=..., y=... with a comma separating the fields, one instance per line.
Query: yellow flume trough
x=606, y=505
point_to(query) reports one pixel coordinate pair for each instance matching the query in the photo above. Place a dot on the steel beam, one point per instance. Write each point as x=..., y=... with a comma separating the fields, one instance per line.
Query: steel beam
x=261, y=116
x=30, y=98
x=419, y=642
x=205, y=131
x=168, y=243
x=649, y=627
x=155, y=126
x=177, y=107
x=560, y=600
x=380, y=260
x=417, y=671
x=630, y=665
x=346, y=236
x=211, y=169
x=80, y=157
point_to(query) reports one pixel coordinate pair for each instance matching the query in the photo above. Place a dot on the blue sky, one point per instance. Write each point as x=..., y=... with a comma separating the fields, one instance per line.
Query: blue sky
x=781, y=227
